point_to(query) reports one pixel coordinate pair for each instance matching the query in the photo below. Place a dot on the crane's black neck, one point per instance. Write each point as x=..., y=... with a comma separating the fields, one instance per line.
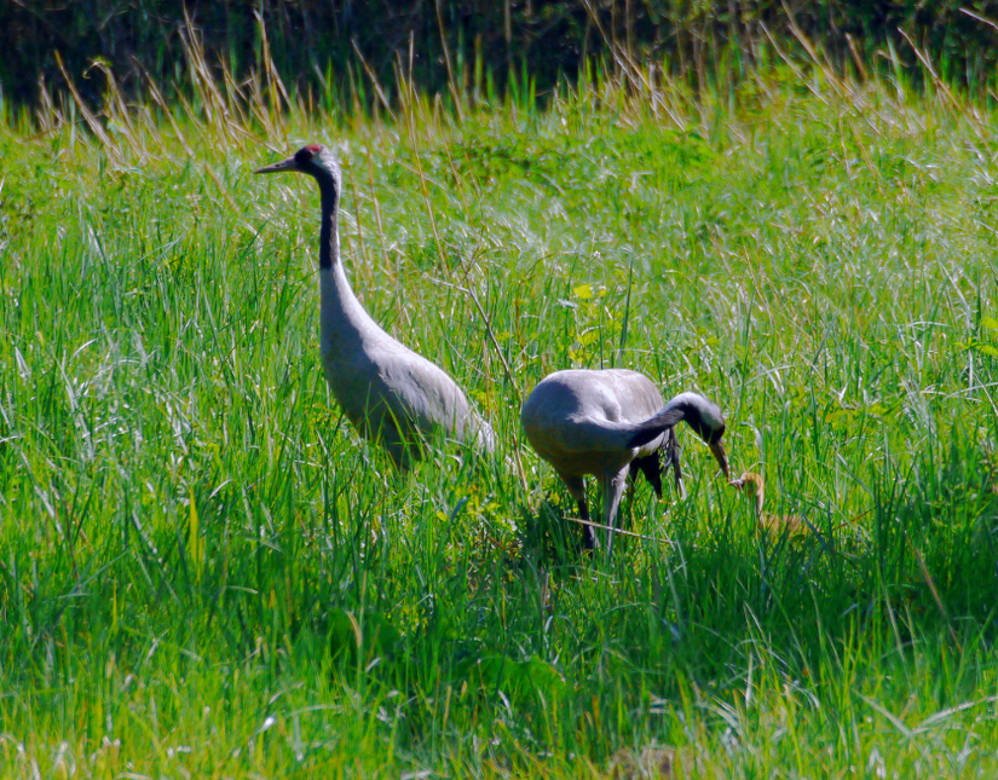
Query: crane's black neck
x=329, y=244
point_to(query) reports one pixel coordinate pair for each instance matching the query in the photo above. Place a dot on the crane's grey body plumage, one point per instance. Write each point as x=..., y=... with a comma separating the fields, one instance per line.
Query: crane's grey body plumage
x=389, y=392
x=575, y=420
x=611, y=423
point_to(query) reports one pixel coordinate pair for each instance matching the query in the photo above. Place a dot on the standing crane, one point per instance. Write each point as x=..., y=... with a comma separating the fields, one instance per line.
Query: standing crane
x=613, y=423
x=391, y=394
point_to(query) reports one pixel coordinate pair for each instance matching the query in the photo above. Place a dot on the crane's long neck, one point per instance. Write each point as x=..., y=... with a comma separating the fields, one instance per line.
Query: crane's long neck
x=329, y=237
x=343, y=321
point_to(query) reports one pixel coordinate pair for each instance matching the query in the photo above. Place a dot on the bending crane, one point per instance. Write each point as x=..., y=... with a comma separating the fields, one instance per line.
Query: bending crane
x=612, y=423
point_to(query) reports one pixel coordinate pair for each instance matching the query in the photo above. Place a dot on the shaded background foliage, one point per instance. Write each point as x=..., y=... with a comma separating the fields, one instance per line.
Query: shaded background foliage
x=315, y=44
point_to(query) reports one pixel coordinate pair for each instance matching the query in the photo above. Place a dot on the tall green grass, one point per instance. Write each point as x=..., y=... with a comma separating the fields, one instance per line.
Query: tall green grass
x=205, y=572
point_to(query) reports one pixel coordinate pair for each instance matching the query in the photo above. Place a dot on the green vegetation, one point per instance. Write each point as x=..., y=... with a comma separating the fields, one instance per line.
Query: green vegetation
x=331, y=48
x=203, y=572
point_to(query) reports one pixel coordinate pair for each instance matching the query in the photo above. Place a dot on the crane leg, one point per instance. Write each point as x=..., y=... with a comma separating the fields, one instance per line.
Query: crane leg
x=613, y=489
x=578, y=490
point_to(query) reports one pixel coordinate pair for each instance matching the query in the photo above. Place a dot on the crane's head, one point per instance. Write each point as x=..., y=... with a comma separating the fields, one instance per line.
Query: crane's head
x=705, y=418
x=315, y=160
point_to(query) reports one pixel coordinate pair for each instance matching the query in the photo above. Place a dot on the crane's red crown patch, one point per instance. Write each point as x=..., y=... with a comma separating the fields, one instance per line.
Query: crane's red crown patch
x=306, y=153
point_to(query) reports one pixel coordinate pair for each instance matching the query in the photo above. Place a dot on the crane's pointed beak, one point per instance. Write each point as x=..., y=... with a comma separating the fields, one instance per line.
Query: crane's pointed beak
x=721, y=456
x=283, y=165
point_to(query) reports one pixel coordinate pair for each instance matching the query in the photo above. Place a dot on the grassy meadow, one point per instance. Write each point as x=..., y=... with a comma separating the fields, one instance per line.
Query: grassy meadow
x=205, y=572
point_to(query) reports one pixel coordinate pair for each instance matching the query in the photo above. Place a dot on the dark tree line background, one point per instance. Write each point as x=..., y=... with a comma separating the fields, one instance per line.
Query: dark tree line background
x=547, y=39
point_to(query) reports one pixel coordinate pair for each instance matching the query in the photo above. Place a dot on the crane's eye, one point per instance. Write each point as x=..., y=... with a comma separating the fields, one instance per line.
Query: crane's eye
x=705, y=431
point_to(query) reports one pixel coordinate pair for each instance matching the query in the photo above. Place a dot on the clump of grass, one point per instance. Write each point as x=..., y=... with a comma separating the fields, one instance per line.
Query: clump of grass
x=205, y=570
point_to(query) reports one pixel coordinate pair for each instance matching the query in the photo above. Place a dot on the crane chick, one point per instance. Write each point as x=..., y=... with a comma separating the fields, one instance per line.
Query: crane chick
x=391, y=394
x=612, y=423
x=753, y=485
